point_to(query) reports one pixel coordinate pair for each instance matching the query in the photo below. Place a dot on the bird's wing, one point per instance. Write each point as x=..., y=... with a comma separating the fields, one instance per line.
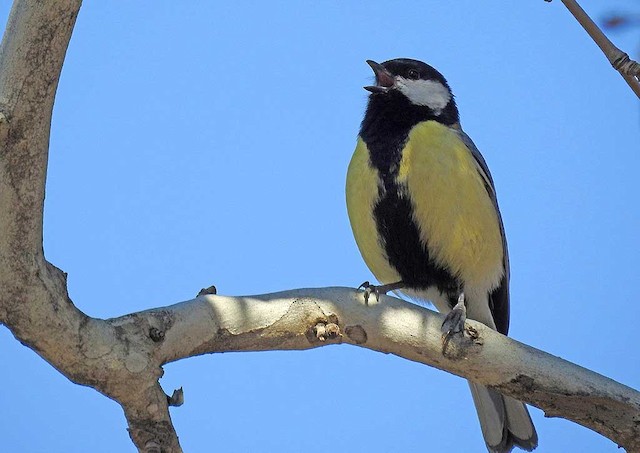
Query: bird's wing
x=499, y=297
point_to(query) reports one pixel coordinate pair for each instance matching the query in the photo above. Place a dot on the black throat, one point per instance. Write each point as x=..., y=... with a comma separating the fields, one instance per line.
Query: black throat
x=389, y=119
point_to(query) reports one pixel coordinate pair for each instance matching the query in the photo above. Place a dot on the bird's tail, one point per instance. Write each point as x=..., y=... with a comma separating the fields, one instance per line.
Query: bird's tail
x=505, y=422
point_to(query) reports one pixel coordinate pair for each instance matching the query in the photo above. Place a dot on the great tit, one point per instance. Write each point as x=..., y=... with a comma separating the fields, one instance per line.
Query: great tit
x=424, y=213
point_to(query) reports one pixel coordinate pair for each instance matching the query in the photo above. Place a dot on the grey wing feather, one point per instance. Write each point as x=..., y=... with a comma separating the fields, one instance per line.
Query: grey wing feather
x=499, y=297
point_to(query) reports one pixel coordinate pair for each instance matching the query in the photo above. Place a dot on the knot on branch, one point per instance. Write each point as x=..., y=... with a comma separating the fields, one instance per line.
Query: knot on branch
x=357, y=334
x=177, y=398
x=626, y=65
x=206, y=291
x=458, y=346
x=326, y=331
x=156, y=335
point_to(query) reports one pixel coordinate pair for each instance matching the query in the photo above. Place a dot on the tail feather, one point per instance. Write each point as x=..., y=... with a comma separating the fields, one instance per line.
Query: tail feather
x=505, y=422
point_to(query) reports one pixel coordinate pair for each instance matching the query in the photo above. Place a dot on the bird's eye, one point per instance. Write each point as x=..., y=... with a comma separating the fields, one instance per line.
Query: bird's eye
x=413, y=74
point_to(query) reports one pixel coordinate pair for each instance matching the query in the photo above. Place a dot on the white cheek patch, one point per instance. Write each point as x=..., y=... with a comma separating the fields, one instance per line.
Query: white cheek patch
x=430, y=93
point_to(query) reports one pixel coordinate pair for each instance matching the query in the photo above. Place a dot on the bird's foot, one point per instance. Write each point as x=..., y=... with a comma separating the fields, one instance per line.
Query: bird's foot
x=378, y=289
x=454, y=321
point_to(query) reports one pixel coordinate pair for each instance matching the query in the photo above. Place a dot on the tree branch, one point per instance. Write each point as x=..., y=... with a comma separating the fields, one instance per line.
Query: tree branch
x=308, y=318
x=31, y=56
x=33, y=302
x=628, y=68
x=122, y=357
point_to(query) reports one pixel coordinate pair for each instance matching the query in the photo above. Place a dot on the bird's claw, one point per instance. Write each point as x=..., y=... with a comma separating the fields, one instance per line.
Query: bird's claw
x=454, y=321
x=379, y=289
x=368, y=290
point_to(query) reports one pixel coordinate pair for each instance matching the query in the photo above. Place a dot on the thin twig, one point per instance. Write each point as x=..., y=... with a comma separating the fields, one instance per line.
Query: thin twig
x=628, y=68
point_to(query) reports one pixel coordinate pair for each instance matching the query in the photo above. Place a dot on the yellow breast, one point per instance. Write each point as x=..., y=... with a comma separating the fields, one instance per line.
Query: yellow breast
x=362, y=194
x=455, y=215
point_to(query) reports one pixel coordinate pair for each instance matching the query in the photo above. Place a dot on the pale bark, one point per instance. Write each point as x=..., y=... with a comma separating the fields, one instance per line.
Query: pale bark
x=122, y=357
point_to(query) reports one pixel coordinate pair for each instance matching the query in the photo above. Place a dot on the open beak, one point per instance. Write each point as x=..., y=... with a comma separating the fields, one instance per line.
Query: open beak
x=384, y=79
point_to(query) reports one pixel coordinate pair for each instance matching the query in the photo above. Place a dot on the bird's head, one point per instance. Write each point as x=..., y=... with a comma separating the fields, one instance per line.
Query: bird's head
x=416, y=84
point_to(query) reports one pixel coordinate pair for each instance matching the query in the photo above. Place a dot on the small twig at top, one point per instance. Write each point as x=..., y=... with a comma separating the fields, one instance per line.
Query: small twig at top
x=628, y=68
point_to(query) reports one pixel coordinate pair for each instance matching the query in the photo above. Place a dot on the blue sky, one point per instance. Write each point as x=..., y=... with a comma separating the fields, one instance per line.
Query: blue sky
x=199, y=143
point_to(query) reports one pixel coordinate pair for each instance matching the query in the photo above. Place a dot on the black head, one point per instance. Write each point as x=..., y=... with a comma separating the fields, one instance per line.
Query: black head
x=412, y=89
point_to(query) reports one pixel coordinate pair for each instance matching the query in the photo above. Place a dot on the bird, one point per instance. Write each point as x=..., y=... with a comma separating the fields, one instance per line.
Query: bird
x=423, y=209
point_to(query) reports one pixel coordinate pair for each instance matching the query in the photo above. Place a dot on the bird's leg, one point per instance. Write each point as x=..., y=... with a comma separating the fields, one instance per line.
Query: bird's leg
x=377, y=290
x=454, y=321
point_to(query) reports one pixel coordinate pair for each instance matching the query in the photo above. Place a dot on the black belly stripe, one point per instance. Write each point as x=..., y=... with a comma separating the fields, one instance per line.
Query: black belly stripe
x=406, y=253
